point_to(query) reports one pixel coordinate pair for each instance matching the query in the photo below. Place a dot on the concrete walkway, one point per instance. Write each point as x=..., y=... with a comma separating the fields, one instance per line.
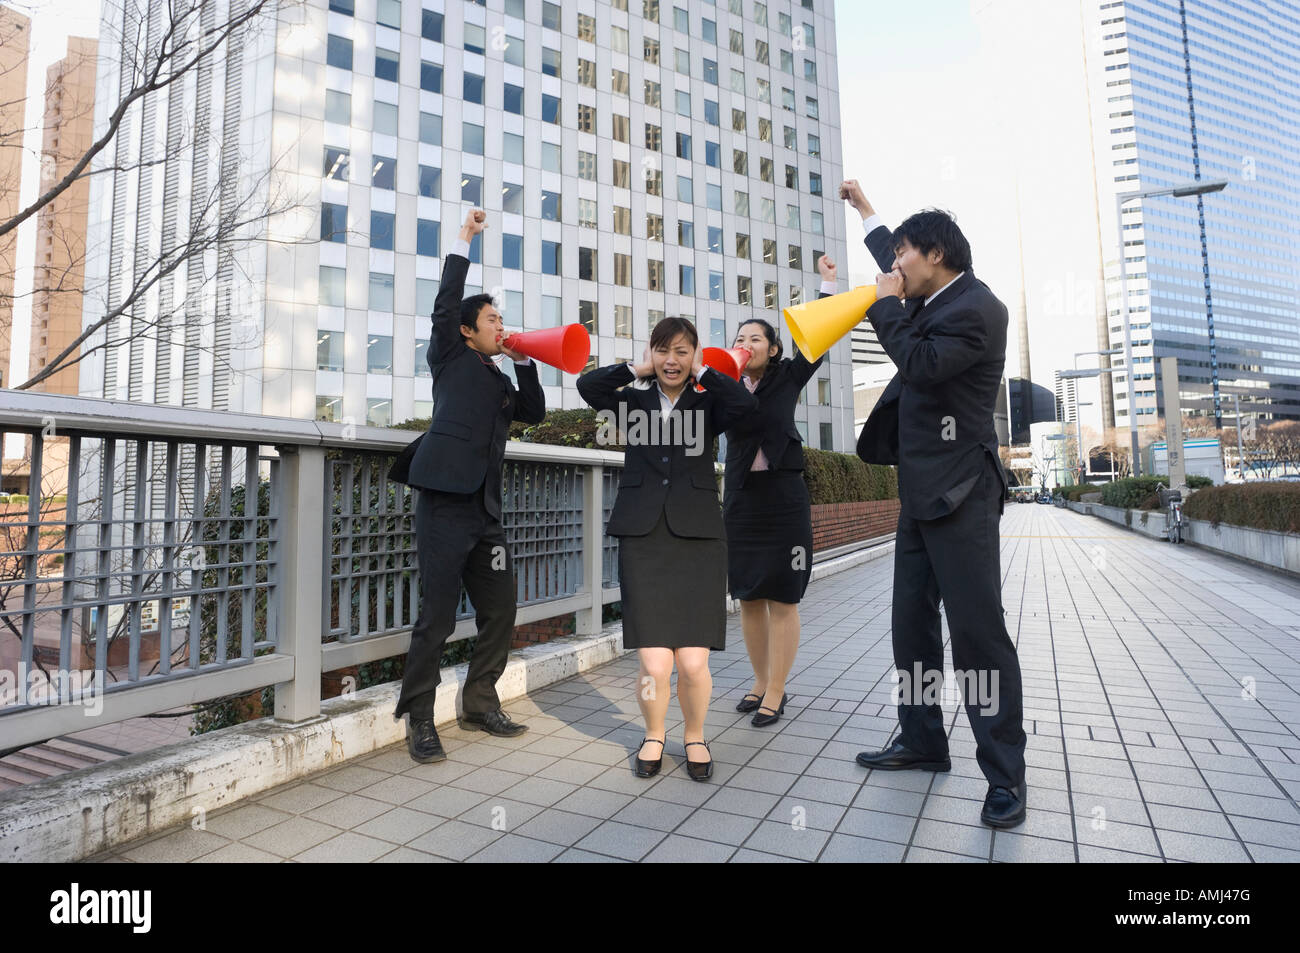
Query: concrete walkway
x=1161, y=704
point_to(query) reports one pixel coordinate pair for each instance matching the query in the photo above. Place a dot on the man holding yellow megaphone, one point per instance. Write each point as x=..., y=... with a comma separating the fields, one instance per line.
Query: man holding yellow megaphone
x=947, y=334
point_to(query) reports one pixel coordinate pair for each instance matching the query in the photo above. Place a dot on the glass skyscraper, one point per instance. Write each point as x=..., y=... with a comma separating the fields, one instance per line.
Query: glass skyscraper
x=1188, y=90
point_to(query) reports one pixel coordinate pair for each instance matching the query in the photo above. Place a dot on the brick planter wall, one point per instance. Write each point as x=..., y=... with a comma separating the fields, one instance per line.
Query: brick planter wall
x=543, y=630
x=835, y=524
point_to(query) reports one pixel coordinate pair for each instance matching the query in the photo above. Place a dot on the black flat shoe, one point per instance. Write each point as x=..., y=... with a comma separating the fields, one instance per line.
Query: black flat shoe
x=699, y=770
x=648, y=769
x=745, y=705
x=761, y=720
x=898, y=757
x=1004, y=807
x=422, y=742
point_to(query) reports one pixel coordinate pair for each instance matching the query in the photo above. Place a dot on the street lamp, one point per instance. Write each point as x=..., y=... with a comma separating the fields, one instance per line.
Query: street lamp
x=1078, y=417
x=1181, y=191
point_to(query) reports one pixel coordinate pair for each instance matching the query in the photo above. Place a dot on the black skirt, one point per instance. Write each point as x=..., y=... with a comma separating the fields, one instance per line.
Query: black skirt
x=769, y=536
x=674, y=590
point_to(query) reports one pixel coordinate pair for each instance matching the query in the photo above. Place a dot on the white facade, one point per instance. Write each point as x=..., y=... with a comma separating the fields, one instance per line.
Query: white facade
x=337, y=328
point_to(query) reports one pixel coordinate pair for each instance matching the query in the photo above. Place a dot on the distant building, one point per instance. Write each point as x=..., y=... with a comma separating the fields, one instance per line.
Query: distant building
x=15, y=37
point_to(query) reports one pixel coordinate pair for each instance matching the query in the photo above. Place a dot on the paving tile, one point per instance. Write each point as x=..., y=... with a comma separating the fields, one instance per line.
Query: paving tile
x=514, y=849
x=398, y=825
x=705, y=824
x=348, y=848
x=676, y=849
x=1016, y=847
x=238, y=854
x=621, y=840
x=292, y=836
x=558, y=827
x=500, y=813
x=299, y=798
x=787, y=841
x=658, y=815
x=348, y=811
x=954, y=838
x=455, y=840
x=446, y=801
x=845, y=849
x=237, y=823
x=178, y=847
x=349, y=778
x=1178, y=845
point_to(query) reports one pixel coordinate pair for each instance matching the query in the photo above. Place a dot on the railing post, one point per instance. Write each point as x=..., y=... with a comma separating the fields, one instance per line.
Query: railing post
x=589, y=621
x=302, y=531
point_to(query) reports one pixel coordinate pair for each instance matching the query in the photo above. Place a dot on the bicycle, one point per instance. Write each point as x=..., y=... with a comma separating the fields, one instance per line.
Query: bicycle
x=1172, y=501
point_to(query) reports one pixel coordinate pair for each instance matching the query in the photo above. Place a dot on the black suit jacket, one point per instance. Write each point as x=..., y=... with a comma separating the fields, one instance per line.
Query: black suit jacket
x=474, y=403
x=935, y=419
x=665, y=477
x=771, y=428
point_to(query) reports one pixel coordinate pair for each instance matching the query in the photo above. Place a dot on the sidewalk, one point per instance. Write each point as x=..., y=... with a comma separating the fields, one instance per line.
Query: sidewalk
x=1161, y=706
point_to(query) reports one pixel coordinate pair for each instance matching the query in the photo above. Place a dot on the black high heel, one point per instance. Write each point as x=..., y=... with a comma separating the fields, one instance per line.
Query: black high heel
x=761, y=720
x=648, y=769
x=699, y=770
x=745, y=705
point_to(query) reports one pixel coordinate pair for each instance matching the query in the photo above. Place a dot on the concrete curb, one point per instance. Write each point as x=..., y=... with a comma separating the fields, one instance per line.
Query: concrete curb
x=76, y=815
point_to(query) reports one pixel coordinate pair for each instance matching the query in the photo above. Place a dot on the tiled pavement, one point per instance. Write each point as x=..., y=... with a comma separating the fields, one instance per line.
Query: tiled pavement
x=1161, y=705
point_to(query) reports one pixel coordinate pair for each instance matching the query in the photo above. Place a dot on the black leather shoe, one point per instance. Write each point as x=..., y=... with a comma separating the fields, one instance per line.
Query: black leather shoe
x=745, y=705
x=899, y=758
x=648, y=769
x=494, y=723
x=422, y=741
x=761, y=720
x=1004, y=807
x=699, y=770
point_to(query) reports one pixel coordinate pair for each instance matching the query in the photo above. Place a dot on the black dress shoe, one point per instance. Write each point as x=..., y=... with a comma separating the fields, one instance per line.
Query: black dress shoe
x=494, y=723
x=746, y=705
x=761, y=720
x=699, y=770
x=648, y=769
x=422, y=741
x=897, y=757
x=1004, y=807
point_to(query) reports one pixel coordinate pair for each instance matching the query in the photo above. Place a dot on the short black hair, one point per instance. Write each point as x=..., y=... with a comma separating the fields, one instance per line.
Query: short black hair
x=667, y=330
x=934, y=228
x=470, y=308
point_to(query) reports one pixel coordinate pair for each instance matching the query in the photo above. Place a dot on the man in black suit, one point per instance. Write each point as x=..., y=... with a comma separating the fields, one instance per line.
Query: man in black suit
x=457, y=467
x=947, y=334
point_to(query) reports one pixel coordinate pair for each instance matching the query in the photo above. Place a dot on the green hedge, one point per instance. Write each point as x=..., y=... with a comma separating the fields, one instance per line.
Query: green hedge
x=1139, y=493
x=1272, y=506
x=843, y=478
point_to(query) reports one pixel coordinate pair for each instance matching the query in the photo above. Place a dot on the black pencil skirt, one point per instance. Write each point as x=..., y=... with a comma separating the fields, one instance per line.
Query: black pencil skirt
x=674, y=590
x=769, y=536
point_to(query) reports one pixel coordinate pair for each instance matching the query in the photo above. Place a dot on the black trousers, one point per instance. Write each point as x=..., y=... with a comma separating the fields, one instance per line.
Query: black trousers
x=457, y=541
x=956, y=558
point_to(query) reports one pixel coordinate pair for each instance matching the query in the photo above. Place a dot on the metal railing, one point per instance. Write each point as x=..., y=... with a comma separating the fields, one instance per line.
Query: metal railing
x=171, y=556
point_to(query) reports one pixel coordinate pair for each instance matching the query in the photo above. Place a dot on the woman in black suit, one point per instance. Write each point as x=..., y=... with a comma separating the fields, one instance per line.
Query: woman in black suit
x=671, y=556
x=767, y=513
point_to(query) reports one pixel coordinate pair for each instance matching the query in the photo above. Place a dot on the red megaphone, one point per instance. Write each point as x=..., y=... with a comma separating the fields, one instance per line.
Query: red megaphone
x=730, y=361
x=566, y=347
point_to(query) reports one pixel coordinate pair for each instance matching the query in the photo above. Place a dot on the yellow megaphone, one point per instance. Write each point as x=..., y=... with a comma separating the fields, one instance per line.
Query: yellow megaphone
x=816, y=325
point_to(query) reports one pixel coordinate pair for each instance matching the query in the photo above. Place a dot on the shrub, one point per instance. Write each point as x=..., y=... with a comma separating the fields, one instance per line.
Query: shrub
x=843, y=478
x=1270, y=506
x=1140, y=492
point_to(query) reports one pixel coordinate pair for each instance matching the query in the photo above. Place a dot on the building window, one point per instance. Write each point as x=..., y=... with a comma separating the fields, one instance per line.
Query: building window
x=686, y=234
x=381, y=230
x=622, y=220
x=767, y=210
x=814, y=145
x=738, y=81
x=739, y=162
x=622, y=321
x=329, y=408
x=654, y=275
x=512, y=148
x=810, y=71
x=587, y=264
x=765, y=130
x=764, y=91
x=654, y=181
x=338, y=107
x=587, y=316
x=652, y=93
x=738, y=120
x=512, y=198
x=512, y=251
x=787, y=62
x=818, y=225
x=680, y=22
x=811, y=103
x=711, y=113
x=337, y=163
x=711, y=71
x=815, y=183
x=685, y=193
x=475, y=39
x=347, y=7
x=471, y=189
x=385, y=118
x=792, y=216
x=683, y=61
x=333, y=222
x=622, y=174
x=386, y=64
x=472, y=138
x=824, y=430
x=791, y=177
x=381, y=294
x=769, y=251
x=683, y=102
x=795, y=257
x=796, y=295
x=382, y=172
x=379, y=412
x=715, y=238
x=713, y=196
x=683, y=146
x=787, y=99
x=514, y=51
x=586, y=73
x=586, y=117
x=760, y=51
x=389, y=13
x=709, y=31
x=618, y=39
x=338, y=52
x=379, y=353
x=769, y=295
x=618, y=82
x=765, y=169
x=686, y=279
x=650, y=51
x=715, y=286
x=431, y=25
x=422, y=368
x=512, y=99
x=742, y=245
x=653, y=137
x=586, y=27
x=426, y=238
x=744, y=289
x=712, y=154
x=332, y=289
x=654, y=227
x=431, y=129
x=550, y=258
x=742, y=204
x=622, y=270
x=551, y=206
x=550, y=15
x=430, y=77
x=551, y=110
x=790, y=141
x=622, y=131
x=587, y=213
x=426, y=292
x=329, y=351
x=587, y=165
x=550, y=62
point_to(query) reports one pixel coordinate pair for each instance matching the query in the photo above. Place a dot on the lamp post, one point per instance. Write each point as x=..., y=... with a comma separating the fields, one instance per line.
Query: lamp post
x=1121, y=198
x=1078, y=418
